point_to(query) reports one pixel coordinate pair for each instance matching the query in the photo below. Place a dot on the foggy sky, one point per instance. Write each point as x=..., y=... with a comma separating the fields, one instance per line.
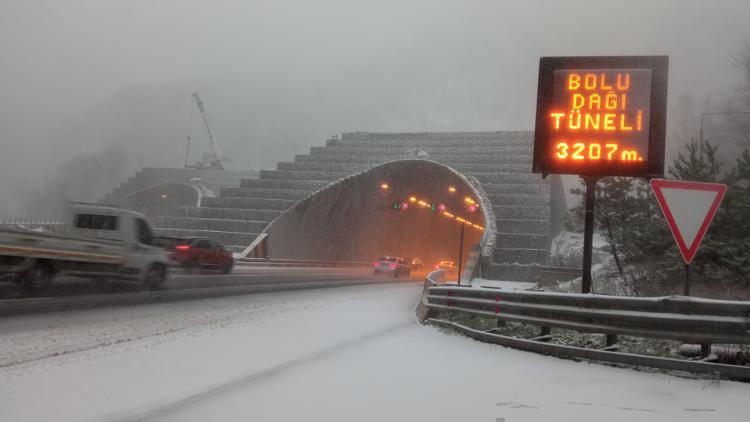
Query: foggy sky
x=79, y=77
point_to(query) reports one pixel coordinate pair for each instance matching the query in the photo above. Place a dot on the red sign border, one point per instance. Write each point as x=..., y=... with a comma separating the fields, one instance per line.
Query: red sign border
x=688, y=253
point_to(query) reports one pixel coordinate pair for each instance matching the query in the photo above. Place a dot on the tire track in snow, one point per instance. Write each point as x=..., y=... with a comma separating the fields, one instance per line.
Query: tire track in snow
x=257, y=377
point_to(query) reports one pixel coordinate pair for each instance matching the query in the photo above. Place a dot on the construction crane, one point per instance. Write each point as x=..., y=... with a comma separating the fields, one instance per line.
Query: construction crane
x=213, y=159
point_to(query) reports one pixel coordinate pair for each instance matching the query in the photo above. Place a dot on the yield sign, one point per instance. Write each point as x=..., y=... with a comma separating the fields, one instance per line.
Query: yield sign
x=689, y=208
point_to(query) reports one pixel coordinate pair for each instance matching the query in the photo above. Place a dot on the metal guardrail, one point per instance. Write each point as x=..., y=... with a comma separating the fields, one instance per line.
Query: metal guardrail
x=271, y=262
x=13, y=307
x=691, y=320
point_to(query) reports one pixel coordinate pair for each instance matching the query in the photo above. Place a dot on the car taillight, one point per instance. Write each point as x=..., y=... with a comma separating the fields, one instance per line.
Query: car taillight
x=392, y=266
x=182, y=247
x=437, y=267
x=375, y=264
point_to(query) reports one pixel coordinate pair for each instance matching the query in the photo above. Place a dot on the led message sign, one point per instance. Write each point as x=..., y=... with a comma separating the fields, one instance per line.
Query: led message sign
x=601, y=116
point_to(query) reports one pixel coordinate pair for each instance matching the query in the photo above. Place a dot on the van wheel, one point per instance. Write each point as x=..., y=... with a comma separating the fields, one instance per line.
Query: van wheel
x=155, y=276
x=41, y=274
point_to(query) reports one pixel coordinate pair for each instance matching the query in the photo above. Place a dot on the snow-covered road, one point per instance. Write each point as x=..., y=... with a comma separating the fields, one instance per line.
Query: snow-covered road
x=346, y=354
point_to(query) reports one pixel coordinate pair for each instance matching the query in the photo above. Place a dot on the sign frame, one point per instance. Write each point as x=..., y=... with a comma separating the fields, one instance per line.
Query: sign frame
x=650, y=168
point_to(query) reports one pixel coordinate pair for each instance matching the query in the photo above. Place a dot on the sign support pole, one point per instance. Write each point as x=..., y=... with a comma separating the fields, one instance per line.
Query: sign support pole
x=460, y=254
x=588, y=232
x=686, y=291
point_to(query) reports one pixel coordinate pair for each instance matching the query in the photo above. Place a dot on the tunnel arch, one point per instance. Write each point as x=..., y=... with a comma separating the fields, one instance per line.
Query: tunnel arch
x=165, y=199
x=353, y=218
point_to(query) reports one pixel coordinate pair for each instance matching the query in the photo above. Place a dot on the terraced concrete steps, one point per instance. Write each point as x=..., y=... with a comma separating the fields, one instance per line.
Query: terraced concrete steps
x=327, y=176
x=218, y=224
x=291, y=194
x=513, y=271
x=522, y=225
x=522, y=212
x=223, y=237
x=513, y=178
x=516, y=188
x=521, y=255
x=519, y=199
x=231, y=213
x=445, y=158
x=456, y=149
x=417, y=139
x=525, y=240
x=311, y=185
x=501, y=161
x=248, y=203
x=359, y=167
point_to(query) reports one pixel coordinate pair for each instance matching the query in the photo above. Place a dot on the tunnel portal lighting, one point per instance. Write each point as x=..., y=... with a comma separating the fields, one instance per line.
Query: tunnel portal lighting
x=442, y=208
x=163, y=195
x=451, y=189
x=385, y=186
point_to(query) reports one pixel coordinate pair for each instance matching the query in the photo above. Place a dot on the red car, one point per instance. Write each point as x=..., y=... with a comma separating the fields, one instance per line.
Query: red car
x=200, y=252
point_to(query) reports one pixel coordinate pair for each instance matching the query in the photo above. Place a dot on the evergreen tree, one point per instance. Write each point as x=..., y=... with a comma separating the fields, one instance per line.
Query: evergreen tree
x=643, y=249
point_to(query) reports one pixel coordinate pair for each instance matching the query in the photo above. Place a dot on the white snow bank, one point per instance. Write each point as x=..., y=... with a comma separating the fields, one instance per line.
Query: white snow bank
x=349, y=354
x=502, y=284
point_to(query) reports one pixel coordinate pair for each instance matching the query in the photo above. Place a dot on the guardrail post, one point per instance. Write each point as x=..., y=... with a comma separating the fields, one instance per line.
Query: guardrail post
x=705, y=350
x=611, y=340
x=545, y=334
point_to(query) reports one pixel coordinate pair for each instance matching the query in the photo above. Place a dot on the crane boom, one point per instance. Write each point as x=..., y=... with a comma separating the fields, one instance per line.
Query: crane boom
x=215, y=159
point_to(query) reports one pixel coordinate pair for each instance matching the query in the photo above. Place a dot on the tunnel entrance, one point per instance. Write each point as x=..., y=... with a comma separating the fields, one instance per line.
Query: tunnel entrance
x=164, y=200
x=406, y=208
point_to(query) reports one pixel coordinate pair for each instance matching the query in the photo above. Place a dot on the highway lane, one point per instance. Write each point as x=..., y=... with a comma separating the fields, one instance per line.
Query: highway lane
x=346, y=354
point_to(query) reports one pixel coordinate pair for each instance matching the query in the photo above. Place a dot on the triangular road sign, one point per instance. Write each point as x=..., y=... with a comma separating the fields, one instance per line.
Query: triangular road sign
x=689, y=208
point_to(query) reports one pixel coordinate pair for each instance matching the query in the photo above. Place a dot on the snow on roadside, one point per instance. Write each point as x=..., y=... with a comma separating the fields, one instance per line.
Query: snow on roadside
x=423, y=374
x=502, y=284
x=120, y=379
x=331, y=355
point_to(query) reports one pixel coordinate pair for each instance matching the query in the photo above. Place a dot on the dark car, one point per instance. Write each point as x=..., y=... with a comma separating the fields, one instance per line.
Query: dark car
x=391, y=265
x=199, y=252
